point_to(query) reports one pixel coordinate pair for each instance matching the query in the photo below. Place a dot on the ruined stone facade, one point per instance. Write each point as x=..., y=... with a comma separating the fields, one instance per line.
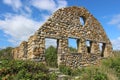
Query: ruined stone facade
x=63, y=24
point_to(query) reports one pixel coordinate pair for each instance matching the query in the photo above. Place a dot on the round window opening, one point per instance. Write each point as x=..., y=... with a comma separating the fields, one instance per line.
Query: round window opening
x=82, y=21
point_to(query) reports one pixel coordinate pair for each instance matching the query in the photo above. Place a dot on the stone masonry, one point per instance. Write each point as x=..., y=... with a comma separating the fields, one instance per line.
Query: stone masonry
x=63, y=24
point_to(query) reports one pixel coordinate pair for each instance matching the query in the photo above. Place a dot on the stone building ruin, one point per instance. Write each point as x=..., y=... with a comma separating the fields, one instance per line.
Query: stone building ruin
x=63, y=24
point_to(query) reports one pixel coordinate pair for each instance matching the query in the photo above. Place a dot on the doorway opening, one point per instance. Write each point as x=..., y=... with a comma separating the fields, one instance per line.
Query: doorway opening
x=51, y=52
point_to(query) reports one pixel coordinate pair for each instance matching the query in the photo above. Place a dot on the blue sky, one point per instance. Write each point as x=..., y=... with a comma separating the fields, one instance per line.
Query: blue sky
x=21, y=18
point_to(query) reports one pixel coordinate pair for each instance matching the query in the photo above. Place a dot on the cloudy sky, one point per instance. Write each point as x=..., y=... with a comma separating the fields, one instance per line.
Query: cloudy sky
x=21, y=18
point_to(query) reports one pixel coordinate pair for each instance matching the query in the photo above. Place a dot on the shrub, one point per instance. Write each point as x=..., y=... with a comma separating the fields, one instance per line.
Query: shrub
x=53, y=76
x=66, y=70
x=18, y=69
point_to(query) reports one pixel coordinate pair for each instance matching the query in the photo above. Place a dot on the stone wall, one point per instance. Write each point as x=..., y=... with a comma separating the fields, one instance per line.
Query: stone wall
x=21, y=51
x=79, y=60
x=63, y=24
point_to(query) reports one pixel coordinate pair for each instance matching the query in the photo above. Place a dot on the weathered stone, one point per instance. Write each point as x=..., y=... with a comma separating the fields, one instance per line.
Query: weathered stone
x=21, y=51
x=63, y=24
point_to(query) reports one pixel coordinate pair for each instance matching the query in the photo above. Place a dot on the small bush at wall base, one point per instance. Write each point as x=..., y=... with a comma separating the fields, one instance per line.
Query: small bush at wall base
x=66, y=70
x=53, y=76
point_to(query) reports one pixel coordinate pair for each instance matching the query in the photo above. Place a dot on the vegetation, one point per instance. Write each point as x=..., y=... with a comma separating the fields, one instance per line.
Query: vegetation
x=72, y=50
x=108, y=69
x=51, y=56
x=6, y=53
x=22, y=70
x=113, y=64
x=91, y=73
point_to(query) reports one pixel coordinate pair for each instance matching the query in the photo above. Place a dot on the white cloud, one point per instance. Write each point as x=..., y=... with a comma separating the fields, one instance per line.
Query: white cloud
x=61, y=3
x=28, y=9
x=115, y=20
x=18, y=27
x=49, y=5
x=116, y=43
x=44, y=4
x=50, y=42
x=9, y=2
x=16, y=4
